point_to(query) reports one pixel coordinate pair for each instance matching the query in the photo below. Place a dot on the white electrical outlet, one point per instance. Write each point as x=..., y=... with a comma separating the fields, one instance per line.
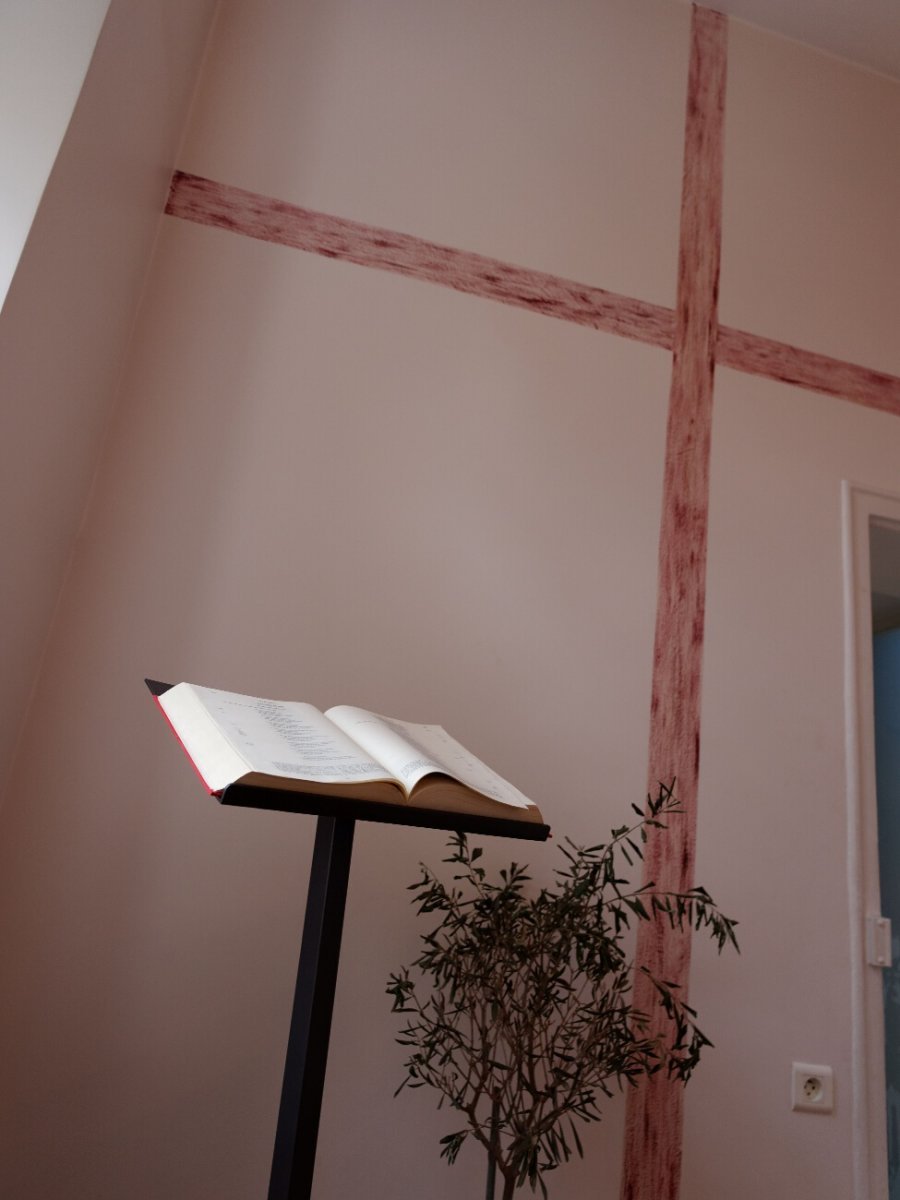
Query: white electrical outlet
x=812, y=1088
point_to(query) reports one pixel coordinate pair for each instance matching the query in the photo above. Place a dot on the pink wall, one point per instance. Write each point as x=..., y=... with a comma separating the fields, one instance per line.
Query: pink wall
x=69, y=312
x=334, y=483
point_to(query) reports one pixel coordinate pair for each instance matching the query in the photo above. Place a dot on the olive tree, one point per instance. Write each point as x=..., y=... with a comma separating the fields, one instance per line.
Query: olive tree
x=519, y=1009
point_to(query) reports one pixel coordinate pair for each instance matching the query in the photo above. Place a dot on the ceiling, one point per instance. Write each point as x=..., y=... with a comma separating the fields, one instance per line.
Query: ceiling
x=864, y=31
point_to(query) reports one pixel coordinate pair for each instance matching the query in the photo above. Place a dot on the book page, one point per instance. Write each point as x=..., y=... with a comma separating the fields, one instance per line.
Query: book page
x=411, y=752
x=288, y=738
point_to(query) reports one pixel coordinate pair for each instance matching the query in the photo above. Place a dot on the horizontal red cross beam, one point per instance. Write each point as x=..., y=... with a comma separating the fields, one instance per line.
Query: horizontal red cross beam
x=207, y=202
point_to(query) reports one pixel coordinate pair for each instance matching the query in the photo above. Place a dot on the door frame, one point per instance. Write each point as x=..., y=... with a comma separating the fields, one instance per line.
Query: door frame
x=869, y=1120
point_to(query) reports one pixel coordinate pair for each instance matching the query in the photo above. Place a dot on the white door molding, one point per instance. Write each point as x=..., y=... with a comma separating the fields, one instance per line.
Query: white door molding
x=862, y=505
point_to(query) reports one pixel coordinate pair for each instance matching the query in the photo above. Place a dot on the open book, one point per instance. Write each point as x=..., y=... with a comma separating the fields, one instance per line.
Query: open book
x=344, y=752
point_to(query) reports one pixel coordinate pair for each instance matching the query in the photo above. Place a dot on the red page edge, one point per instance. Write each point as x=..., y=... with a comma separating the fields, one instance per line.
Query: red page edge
x=185, y=749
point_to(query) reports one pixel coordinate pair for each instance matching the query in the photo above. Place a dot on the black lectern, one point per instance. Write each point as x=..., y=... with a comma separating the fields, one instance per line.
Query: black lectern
x=297, y=1132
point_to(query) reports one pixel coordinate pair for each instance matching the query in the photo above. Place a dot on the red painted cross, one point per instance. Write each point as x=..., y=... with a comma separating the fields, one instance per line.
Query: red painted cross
x=653, y=1123
x=654, y=1116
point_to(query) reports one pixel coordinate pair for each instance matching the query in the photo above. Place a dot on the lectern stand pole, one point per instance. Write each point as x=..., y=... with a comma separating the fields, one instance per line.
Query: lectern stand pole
x=307, y=1053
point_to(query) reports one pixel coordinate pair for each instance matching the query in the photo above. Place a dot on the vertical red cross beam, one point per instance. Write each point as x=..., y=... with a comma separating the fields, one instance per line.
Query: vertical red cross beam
x=654, y=1116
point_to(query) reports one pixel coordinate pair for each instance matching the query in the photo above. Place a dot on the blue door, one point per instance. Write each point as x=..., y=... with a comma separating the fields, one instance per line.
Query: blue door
x=886, y=661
